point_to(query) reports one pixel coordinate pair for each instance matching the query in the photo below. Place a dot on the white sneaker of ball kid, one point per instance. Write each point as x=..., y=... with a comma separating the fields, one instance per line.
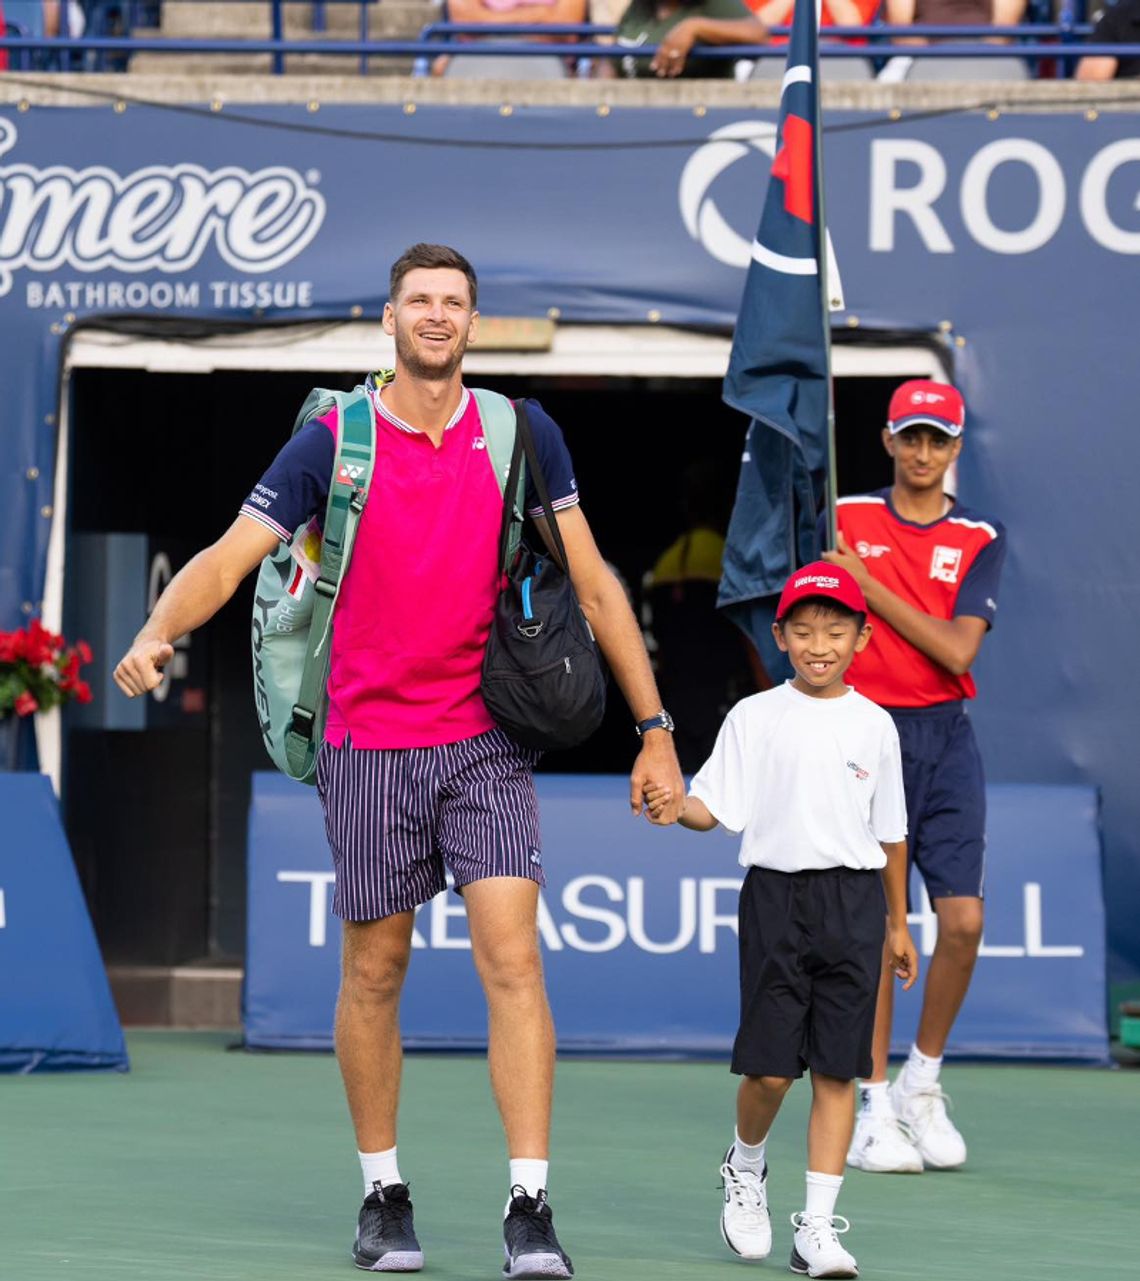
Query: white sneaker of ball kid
x=816, y=1249
x=744, y=1222
x=923, y=1117
x=880, y=1147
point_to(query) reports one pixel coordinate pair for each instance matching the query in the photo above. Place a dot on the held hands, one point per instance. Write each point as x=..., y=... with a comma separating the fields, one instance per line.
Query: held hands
x=140, y=669
x=657, y=766
x=846, y=558
x=902, y=955
x=657, y=799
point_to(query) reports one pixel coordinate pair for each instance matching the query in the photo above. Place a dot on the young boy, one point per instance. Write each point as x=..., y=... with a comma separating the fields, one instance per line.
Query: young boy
x=810, y=773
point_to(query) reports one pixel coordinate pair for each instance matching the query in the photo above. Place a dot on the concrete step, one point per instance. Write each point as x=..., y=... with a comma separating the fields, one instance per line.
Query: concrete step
x=386, y=20
x=187, y=996
x=297, y=64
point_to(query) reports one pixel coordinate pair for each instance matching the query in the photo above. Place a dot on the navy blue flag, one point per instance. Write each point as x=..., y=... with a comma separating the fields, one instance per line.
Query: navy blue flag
x=778, y=372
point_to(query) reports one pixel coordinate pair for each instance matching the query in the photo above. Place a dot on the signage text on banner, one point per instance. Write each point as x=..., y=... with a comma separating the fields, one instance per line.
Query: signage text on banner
x=638, y=928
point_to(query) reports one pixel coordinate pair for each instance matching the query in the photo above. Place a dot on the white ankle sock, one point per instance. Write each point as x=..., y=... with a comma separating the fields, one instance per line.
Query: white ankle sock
x=920, y=1072
x=822, y=1193
x=874, y=1099
x=747, y=1156
x=379, y=1167
x=529, y=1174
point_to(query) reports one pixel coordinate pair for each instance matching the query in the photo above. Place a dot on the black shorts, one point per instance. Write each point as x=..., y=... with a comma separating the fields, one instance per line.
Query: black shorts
x=811, y=949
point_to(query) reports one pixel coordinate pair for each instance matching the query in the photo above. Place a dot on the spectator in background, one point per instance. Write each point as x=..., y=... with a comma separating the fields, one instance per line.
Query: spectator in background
x=526, y=13
x=953, y=13
x=675, y=26
x=1118, y=24
x=834, y=13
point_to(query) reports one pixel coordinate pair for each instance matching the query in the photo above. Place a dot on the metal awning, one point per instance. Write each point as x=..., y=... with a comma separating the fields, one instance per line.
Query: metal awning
x=509, y=347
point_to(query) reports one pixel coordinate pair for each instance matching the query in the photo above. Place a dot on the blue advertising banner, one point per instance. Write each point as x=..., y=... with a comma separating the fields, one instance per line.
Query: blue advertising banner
x=1011, y=239
x=638, y=926
x=56, y=1010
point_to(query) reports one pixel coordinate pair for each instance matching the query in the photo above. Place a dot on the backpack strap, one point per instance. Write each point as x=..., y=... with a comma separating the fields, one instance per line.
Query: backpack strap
x=497, y=414
x=348, y=492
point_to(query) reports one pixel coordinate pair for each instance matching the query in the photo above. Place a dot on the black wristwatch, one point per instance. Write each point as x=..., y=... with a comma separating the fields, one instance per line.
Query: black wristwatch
x=661, y=721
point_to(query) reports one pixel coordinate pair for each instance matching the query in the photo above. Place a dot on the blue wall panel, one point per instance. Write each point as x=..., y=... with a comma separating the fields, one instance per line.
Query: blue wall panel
x=638, y=926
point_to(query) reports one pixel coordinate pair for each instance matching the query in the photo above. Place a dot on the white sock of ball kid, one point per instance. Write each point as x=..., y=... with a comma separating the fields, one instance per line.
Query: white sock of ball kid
x=747, y=1157
x=822, y=1194
x=920, y=1072
x=874, y=1099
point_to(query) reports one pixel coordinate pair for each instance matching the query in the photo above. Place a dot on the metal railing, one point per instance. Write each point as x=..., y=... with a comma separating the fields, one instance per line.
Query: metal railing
x=1034, y=41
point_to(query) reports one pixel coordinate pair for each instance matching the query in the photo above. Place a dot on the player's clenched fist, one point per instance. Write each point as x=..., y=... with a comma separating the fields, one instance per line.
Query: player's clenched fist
x=140, y=669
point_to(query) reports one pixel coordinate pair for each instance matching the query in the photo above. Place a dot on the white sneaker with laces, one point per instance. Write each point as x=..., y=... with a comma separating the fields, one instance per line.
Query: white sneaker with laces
x=922, y=1114
x=816, y=1250
x=744, y=1222
x=880, y=1146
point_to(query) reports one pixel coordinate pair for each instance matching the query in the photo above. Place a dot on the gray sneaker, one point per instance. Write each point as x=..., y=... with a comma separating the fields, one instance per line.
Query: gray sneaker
x=385, y=1235
x=529, y=1241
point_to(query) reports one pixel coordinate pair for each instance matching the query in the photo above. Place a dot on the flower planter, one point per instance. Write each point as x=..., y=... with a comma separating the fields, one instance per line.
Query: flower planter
x=38, y=671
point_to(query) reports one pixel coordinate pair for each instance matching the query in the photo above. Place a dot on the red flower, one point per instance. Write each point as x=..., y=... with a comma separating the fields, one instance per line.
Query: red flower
x=40, y=670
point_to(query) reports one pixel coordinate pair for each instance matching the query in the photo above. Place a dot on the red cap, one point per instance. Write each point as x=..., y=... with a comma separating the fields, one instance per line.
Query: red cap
x=821, y=579
x=921, y=401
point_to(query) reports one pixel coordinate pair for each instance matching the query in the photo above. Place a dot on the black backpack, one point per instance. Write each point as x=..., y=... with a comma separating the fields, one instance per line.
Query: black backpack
x=543, y=678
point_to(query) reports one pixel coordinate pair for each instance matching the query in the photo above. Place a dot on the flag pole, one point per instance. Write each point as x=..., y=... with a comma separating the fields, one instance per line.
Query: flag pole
x=832, y=496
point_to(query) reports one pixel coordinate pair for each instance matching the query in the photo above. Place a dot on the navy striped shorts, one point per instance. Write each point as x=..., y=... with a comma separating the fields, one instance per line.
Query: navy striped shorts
x=396, y=818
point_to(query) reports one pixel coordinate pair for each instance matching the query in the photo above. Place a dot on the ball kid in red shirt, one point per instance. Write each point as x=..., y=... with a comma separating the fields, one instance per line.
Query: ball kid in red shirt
x=929, y=568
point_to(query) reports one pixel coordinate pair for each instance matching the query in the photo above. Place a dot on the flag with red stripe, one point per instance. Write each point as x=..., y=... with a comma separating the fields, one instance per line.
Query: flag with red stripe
x=778, y=371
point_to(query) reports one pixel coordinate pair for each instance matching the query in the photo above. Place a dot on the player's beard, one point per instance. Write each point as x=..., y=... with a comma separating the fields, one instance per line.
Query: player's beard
x=428, y=371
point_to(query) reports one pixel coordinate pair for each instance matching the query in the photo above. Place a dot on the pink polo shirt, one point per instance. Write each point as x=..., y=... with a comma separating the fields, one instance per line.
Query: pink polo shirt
x=416, y=604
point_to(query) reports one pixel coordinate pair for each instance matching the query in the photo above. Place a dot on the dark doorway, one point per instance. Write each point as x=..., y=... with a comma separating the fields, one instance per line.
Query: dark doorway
x=158, y=818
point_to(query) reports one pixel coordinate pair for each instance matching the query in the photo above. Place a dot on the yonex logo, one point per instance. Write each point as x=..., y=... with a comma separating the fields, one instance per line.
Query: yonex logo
x=860, y=773
x=478, y=443
x=926, y=398
x=817, y=580
x=349, y=473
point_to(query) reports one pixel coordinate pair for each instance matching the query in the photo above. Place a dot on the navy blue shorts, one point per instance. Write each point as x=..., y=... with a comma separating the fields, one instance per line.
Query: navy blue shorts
x=945, y=798
x=398, y=819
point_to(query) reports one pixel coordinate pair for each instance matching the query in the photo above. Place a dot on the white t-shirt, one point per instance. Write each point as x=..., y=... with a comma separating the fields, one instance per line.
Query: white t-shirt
x=811, y=782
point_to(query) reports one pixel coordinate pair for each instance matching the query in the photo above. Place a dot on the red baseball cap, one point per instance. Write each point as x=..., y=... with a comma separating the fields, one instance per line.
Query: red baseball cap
x=821, y=579
x=932, y=404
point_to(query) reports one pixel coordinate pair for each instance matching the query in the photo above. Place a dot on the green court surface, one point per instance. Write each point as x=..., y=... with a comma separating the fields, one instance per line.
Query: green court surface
x=203, y=1163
